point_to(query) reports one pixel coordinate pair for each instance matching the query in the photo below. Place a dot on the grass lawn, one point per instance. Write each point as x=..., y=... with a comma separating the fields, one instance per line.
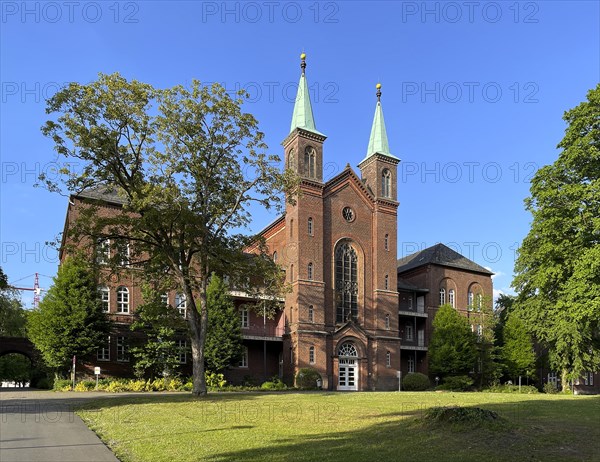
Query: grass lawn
x=344, y=427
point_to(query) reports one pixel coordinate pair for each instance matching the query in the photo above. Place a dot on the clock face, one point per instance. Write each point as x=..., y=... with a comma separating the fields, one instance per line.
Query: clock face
x=348, y=214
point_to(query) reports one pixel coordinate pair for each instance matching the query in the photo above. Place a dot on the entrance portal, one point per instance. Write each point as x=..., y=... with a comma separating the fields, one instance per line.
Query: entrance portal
x=348, y=367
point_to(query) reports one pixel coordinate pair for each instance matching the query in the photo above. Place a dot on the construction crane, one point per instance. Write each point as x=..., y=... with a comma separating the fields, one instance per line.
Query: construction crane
x=36, y=289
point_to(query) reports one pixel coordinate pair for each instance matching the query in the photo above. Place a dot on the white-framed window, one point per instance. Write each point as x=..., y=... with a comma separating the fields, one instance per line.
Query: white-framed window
x=479, y=302
x=410, y=302
x=311, y=313
x=103, y=351
x=470, y=301
x=164, y=298
x=388, y=359
x=386, y=242
x=451, y=298
x=386, y=282
x=386, y=183
x=411, y=365
x=311, y=355
x=275, y=256
x=122, y=349
x=103, y=251
x=123, y=252
x=588, y=378
x=310, y=271
x=552, y=377
x=182, y=351
x=105, y=298
x=181, y=304
x=244, y=359
x=244, y=317
x=310, y=226
x=122, y=299
x=442, y=296
x=479, y=330
x=387, y=322
x=410, y=333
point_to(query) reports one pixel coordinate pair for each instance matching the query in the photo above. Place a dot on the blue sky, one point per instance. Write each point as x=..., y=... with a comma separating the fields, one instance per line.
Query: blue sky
x=473, y=96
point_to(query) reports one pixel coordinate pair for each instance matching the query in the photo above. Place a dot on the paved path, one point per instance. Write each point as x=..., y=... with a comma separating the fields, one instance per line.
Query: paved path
x=41, y=426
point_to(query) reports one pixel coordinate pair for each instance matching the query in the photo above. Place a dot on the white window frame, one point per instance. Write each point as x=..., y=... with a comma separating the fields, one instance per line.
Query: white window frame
x=181, y=304
x=310, y=226
x=164, y=298
x=311, y=355
x=388, y=359
x=103, y=251
x=410, y=335
x=442, y=296
x=244, y=317
x=182, y=351
x=311, y=313
x=452, y=298
x=122, y=349
x=123, y=300
x=123, y=257
x=103, y=352
x=479, y=301
x=411, y=365
x=105, y=298
x=244, y=359
x=470, y=299
x=310, y=271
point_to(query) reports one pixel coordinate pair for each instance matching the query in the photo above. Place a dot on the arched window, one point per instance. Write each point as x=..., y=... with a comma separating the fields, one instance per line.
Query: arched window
x=105, y=298
x=292, y=227
x=470, y=301
x=348, y=350
x=310, y=271
x=181, y=304
x=388, y=359
x=346, y=282
x=386, y=282
x=442, y=296
x=275, y=256
x=387, y=322
x=311, y=313
x=386, y=242
x=292, y=273
x=310, y=226
x=122, y=299
x=311, y=355
x=291, y=159
x=451, y=298
x=103, y=251
x=386, y=183
x=310, y=162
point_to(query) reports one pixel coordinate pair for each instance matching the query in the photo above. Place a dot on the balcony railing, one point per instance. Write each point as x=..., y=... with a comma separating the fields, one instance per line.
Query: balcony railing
x=254, y=330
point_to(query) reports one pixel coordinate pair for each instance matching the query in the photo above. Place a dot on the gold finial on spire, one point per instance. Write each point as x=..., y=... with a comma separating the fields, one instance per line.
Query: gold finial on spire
x=303, y=62
x=378, y=86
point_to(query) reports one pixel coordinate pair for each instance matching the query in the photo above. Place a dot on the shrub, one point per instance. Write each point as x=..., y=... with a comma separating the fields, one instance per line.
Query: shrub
x=525, y=389
x=274, y=384
x=461, y=415
x=137, y=385
x=45, y=383
x=306, y=378
x=415, y=381
x=456, y=383
x=85, y=385
x=116, y=386
x=550, y=388
x=62, y=385
x=214, y=380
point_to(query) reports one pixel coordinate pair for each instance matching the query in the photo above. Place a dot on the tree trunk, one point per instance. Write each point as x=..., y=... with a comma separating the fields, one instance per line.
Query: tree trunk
x=198, y=321
x=564, y=380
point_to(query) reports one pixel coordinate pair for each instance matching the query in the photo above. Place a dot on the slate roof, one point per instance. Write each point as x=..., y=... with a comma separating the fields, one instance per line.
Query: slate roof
x=442, y=255
x=102, y=193
x=405, y=285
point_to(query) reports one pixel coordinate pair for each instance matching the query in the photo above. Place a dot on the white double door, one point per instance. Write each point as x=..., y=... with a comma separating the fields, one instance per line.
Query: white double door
x=348, y=374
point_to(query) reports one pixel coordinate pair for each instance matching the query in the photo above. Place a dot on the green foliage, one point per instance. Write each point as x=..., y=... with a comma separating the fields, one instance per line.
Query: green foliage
x=452, y=350
x=550, y=388
x=415, y=381
x=274, y=384
x=223, y=345
x=13, y=317
x=525, y=389
x=472, y=416
x=15, y=367
x=69, y=320
x=457, y=383
x=215, y=380
x=306, y=378
x=85, y=385
x=518, y=354
x=189, y=163
x=62, y=385
x=504, y=306
x=157, y=353
x=557, y=269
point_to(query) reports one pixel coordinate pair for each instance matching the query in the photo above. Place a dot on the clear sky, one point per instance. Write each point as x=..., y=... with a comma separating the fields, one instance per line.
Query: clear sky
x=473, y=97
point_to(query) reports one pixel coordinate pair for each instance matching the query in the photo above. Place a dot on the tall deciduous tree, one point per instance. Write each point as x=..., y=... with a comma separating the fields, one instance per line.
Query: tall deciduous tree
x=452, y=350
x=517, y=354
x=224, y=338
x=188, y=164
x=69, y=320
x=557, y=277
x=12, y=315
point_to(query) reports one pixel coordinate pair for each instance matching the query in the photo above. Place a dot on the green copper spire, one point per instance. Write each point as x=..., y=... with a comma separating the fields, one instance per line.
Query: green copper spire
x=303, y=114
x=378, y=142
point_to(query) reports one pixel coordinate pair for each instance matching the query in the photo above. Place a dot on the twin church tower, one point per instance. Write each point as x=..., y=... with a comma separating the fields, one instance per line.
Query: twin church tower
x=338, y=247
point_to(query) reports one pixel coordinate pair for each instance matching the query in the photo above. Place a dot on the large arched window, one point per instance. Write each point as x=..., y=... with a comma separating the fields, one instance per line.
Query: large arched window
x=348, y=350
x=310, y=159
x=442, y=296
x=386, y=183
x=451, y=298
x=346, y=282
x=122, y=300
x=291, y=159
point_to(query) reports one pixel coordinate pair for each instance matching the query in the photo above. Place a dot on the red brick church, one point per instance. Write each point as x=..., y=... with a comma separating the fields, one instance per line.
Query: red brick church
x=355, y=313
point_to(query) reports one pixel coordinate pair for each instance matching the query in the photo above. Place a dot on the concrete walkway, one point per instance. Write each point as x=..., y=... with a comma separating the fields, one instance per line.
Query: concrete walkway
x=41, y=426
